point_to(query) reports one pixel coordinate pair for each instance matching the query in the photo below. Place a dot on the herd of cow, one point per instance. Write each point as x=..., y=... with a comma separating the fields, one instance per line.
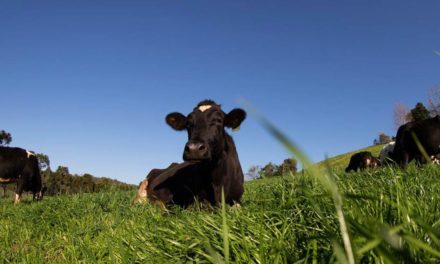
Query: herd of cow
x=211, y=167
x=418, y=140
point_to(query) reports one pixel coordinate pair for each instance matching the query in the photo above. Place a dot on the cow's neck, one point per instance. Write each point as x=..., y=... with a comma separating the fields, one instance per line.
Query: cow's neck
x=224, y=163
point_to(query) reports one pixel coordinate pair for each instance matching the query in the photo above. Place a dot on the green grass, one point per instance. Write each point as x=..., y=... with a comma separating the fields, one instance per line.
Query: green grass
x=392, y=216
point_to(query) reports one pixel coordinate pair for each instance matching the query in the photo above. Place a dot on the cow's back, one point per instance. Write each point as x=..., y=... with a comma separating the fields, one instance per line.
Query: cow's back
x=427, y=132
x=12, y=162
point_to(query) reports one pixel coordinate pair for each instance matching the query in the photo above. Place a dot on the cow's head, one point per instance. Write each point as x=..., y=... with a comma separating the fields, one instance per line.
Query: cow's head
x=205, y=126
x=38, y=196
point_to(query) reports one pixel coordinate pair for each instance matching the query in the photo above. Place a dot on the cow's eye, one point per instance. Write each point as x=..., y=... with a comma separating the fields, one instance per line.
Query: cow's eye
x=215, y=122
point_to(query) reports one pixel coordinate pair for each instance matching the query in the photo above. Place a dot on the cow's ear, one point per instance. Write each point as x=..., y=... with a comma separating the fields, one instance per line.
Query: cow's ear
x=234, y=118
x=176, y=121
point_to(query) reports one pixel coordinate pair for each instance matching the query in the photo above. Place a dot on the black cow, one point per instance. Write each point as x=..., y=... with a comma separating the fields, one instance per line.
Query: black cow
x=427, y=132
x=210, y=159
x=362, y=160
x=21, y=166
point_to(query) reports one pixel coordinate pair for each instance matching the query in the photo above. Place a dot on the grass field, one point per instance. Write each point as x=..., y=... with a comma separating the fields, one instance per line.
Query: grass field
x=392, y=216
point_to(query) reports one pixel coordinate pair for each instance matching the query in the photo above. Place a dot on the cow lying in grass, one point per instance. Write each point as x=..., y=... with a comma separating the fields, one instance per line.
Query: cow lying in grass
x=361, y=161
x=211, y=163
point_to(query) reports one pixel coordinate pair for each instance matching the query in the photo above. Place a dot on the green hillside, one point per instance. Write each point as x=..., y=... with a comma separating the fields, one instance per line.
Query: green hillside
x=390, y=216
x=341, y=161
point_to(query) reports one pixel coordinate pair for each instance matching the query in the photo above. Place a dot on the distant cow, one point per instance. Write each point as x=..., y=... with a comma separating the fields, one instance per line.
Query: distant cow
x=386, y=152
x=426, y=131
x=21, y=166
x=210, y=159
x=362, y=160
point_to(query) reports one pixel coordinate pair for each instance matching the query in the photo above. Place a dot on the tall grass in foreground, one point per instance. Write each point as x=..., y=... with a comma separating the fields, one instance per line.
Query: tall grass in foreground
x=392, y=216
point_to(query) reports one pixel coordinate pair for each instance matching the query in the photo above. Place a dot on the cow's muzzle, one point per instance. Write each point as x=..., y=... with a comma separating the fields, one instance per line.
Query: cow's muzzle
x=195, y=151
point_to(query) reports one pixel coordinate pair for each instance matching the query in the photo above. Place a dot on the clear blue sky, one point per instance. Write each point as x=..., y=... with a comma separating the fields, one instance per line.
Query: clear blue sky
x=89, y=83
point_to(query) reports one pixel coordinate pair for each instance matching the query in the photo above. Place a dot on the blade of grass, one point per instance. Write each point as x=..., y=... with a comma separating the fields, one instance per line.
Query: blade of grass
x=326, y=181
x=420, y=147
x=225, y=230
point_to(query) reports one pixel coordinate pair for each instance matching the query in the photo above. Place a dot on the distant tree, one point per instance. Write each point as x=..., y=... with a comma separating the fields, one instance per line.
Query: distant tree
x=5, y=138
x=88, y=183
x=253, y=172
x=288, y=167
x=52, y=183
x=62, y=179
x=419, y=112
x=401, y=115
x=383, y=139
x=43, y=161
x=63, y=171
x=434, y=101
x=269, y=170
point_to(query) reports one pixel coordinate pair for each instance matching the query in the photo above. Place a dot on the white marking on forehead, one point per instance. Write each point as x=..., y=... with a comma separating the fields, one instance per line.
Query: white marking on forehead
x=29, y=153
x=203, y=108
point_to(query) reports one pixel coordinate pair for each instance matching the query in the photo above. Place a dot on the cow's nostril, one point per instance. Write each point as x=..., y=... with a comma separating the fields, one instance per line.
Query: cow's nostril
x=202, y=147
x=187, y=148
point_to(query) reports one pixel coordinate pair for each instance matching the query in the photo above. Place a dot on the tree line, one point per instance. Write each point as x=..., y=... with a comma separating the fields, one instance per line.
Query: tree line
x=288, y=167
x=61, y=181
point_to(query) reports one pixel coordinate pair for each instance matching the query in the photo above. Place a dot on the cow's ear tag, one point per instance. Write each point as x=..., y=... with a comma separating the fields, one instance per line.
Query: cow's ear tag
x=236, y=129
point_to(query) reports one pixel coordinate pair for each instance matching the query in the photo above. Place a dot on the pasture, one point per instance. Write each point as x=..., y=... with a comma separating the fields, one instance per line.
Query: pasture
x=392, y=216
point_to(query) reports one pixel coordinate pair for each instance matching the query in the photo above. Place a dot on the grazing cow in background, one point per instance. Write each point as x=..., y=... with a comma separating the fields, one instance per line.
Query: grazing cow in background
x=210, y=164
x=428, y=134
x=21, y=166
x=385, y=152
x=362, y=160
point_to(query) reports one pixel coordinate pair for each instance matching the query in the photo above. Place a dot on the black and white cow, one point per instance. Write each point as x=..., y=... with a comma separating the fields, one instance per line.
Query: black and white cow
x=428, y=134
x=386, y=152
x=210, y=164
x=20, y=166
x=362, y=160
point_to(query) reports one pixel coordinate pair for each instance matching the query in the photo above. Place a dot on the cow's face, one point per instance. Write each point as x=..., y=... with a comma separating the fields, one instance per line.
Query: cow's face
x=205, y=126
